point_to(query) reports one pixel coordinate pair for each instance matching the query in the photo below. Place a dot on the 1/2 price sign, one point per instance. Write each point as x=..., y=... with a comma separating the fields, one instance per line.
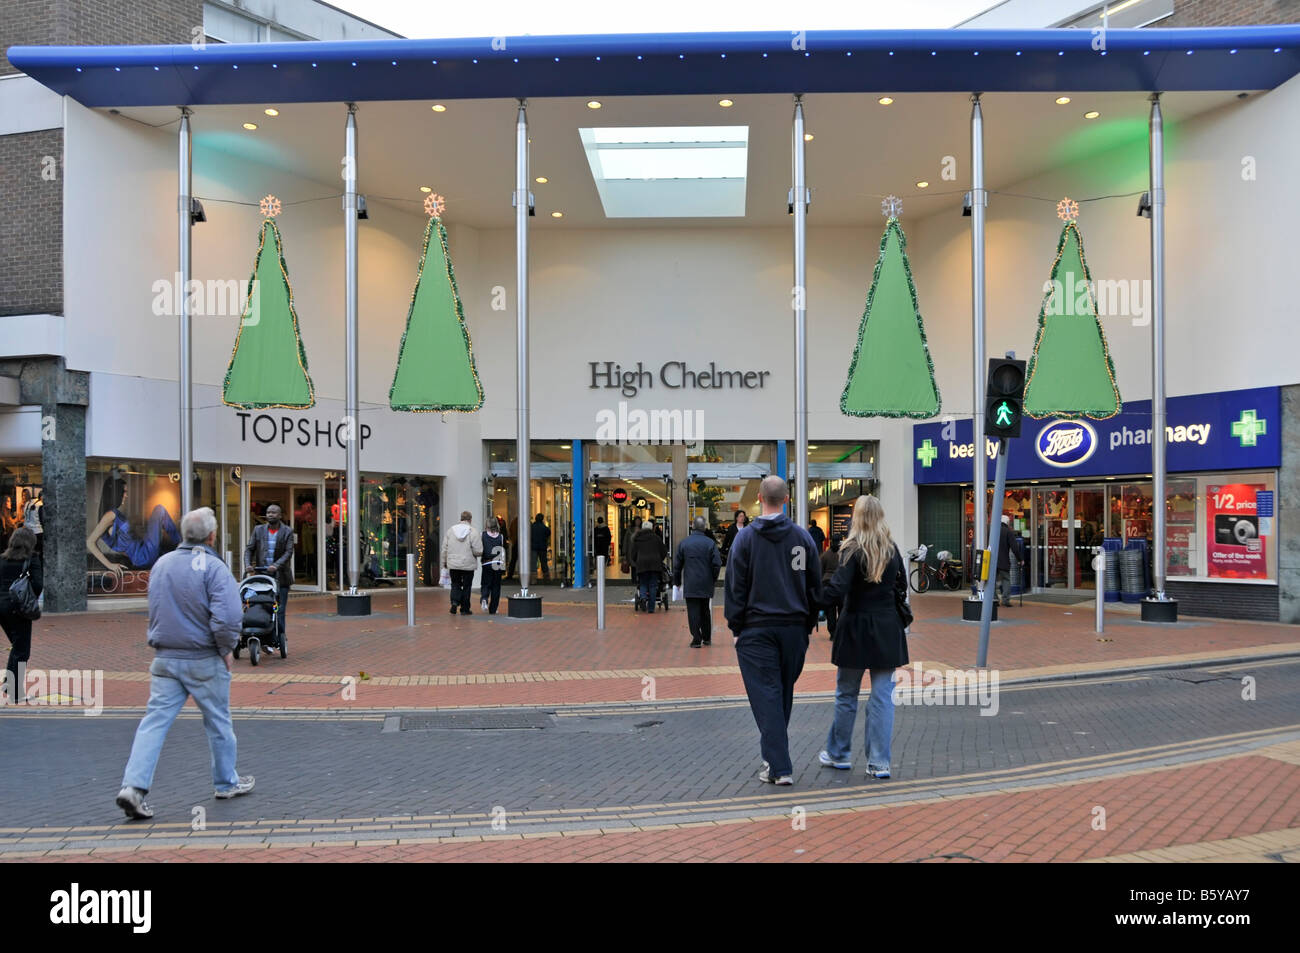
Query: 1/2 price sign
x=1236, y=548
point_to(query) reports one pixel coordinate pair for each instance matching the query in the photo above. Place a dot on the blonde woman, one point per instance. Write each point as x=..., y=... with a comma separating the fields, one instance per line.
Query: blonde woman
x=871, y=582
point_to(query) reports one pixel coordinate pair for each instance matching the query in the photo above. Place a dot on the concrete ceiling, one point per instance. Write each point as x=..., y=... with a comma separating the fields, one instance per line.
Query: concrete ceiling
x=861, y=150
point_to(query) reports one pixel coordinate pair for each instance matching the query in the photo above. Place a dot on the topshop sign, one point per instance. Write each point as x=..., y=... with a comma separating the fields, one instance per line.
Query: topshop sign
x=1233, y=430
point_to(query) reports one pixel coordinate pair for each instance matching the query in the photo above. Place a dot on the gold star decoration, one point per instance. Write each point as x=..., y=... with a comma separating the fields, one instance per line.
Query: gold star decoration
x=269, y=206
x=435, y=205
x=1067, y=210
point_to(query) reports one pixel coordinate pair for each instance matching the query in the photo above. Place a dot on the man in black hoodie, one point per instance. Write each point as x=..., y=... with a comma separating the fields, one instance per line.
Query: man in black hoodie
x=773, y=587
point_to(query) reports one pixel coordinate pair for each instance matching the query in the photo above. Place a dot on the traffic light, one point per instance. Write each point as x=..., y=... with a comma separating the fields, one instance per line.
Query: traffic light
x=1004, y=400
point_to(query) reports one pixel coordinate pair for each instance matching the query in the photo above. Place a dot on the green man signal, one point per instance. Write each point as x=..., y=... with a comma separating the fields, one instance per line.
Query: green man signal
x=1004, y=399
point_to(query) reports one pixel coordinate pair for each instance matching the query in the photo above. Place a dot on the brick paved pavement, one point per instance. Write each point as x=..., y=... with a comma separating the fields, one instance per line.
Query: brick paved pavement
x=452, y=661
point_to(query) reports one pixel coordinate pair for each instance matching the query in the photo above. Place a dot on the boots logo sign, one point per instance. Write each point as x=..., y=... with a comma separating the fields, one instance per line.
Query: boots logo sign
x=1066, y=443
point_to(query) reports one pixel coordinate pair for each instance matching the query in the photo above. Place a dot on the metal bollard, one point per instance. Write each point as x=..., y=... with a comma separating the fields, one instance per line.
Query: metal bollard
x=1099, y=573
x=600, y=593
x=410, y=588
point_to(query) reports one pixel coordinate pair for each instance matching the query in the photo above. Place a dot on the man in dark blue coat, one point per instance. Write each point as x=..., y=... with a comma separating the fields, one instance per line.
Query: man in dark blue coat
x=695, y=570
x=773, y=588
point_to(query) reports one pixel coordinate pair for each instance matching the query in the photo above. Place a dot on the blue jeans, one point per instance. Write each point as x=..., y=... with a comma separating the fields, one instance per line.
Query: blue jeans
x=880, y=716
x=648, y=583
x=172, y=680
x=771, y=660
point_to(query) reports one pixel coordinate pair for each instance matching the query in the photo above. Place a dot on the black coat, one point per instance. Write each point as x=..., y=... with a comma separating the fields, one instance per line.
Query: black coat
x=10, y=570
x=600, y=540
x=648, y=552
x=698, y=563
x=869, y=633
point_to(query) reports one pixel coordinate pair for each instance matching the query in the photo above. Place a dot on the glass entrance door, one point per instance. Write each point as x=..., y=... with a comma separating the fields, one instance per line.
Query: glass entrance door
x=1052, y=537
x=298, y=510
x=1088, y=530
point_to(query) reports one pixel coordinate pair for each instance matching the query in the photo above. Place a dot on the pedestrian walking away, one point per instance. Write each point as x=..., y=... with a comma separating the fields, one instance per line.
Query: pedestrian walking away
x=494, y=563
x=194, y=620
x=871, y=581
x=461, y=548
x=540, y=539
x=269, y=551
x=830, y=563
x=601, y=538
x=695, y=572
x=647, y=555
x=1004, y=562
x=816, y=533
x=19, y=560
x=773, y=587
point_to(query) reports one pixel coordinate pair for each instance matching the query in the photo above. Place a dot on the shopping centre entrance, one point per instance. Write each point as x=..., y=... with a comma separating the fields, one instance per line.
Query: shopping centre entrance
x=299, y=504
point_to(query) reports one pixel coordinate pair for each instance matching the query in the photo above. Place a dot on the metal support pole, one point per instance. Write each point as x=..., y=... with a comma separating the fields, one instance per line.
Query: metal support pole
x=1099, y=574
x=1158, y=342
x=978, y=203
x=600, y=593
x=995, y=532
x=521, y=286
x=185, y=175
x=352, y=426
x=410, y=589
x=799, y=204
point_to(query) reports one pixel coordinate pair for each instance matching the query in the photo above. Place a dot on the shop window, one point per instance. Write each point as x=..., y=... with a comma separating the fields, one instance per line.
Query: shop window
x=399, y=516
x=21, y=501
x=133, y=513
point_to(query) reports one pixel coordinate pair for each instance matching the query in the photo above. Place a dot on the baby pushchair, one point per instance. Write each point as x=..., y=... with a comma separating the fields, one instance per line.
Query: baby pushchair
x=260, y=628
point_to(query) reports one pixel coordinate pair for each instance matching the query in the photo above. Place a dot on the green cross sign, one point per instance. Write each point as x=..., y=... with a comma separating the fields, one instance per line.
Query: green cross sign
x=926, y=452
x=1005, y=415
x=1248, y=429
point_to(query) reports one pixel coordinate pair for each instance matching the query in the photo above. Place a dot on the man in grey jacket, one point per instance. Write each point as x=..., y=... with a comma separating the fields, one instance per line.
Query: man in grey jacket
x=194, y=622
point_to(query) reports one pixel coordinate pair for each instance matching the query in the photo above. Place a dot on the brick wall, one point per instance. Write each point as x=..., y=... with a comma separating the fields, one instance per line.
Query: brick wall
x=31, y=223
x=1232, y=12
x=95, y=22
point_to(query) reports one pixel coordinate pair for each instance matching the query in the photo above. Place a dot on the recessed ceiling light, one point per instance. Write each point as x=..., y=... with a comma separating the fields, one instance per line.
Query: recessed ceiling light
x=1091, y=114
x=557, y=215
x=542, y=180
x=250, y=125
x=1062, y=100
x=725, y=103
x=594, y=104
x=425, y=188
x=438, y=108
x=807, y=137
x=923, y=185
x=885, y=100
x=272, y=112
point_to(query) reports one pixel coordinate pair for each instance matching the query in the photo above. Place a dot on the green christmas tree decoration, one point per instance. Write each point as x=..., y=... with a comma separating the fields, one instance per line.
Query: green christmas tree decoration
x=435, y=363
x=268, y=367
x=1070, y=373
x=891, y=374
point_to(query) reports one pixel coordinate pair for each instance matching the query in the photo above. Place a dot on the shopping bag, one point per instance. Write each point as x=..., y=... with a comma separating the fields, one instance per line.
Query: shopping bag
x=444, y=580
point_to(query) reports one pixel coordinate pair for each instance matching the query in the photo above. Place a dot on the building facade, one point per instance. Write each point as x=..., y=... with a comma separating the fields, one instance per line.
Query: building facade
x=662, y=373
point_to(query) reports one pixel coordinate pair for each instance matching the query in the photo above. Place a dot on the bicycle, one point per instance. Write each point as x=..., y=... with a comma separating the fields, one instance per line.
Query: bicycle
x=946, y=574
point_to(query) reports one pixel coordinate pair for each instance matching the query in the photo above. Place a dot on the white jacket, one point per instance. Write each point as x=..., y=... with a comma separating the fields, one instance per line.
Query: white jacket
x=461, y=547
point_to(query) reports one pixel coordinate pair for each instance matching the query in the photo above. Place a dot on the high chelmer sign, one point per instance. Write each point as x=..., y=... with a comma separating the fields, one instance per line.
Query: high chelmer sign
x=673, y=375
x=1233, y=430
